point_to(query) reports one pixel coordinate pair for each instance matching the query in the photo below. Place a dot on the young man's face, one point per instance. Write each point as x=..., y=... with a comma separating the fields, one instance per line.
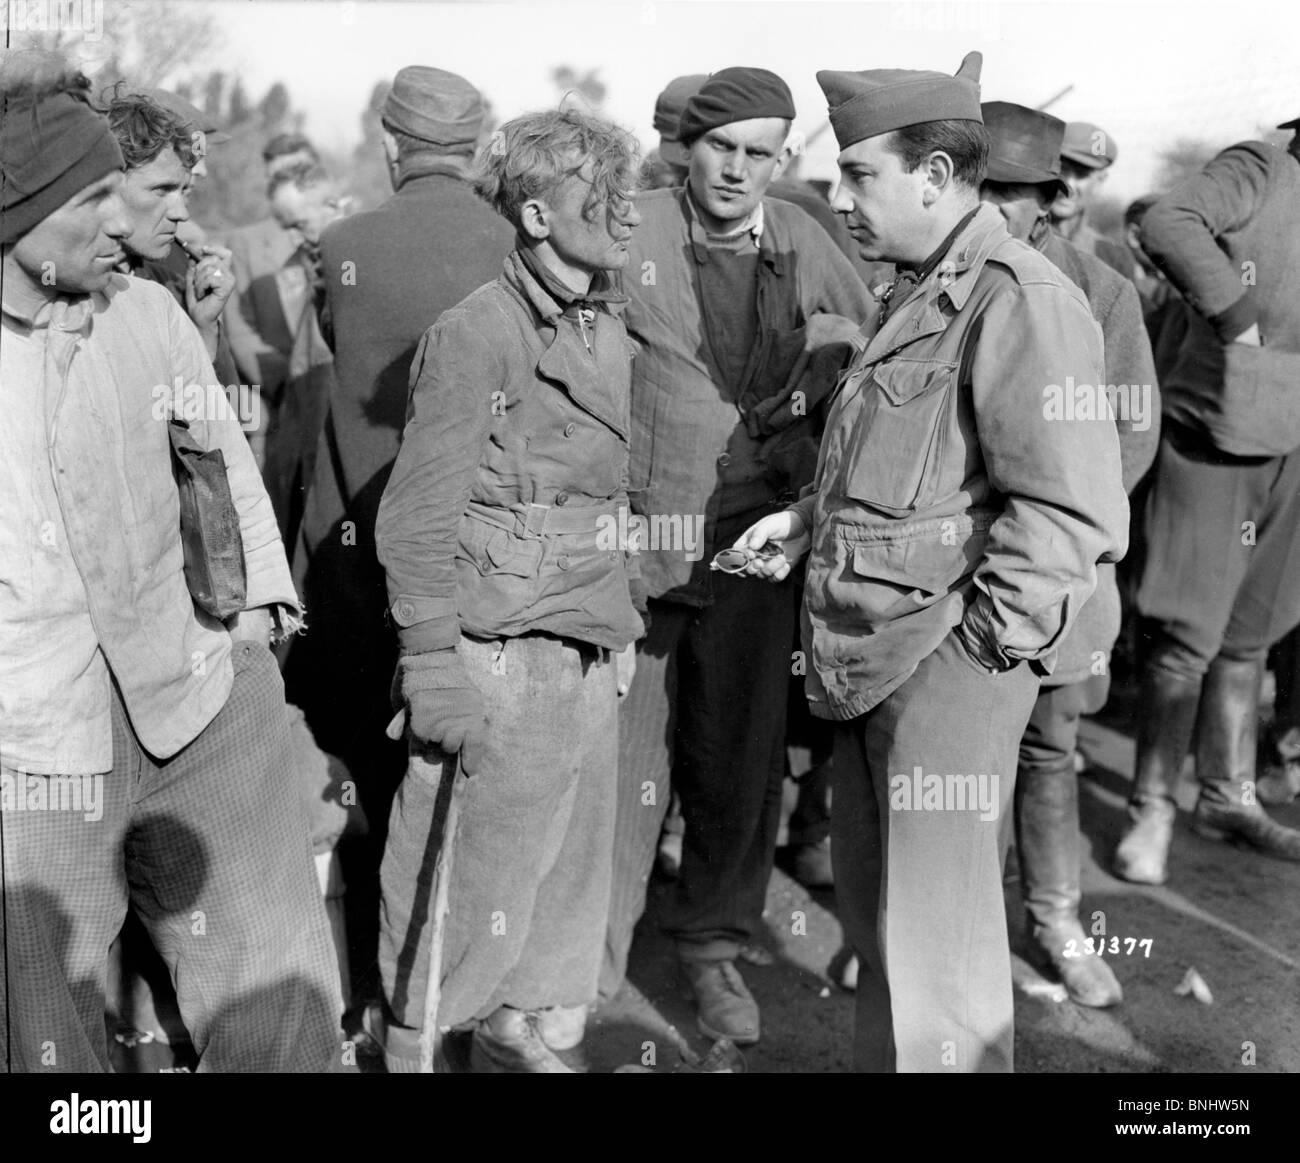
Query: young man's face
x=155, y=198
x=306, y=212
x=1081, y=183
x=882, y=203
x=732, y=166
x=588, y=240
x=1022, y=205
x=76, y=248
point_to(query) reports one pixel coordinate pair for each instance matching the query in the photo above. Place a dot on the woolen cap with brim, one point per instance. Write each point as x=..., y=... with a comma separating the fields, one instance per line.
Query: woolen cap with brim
x=434, y=105
x=1088, y=145
x=1024, y=145
x=735, y=94
x=52, y=146
x=668, y=115
x=186, y=112
x=877, y=101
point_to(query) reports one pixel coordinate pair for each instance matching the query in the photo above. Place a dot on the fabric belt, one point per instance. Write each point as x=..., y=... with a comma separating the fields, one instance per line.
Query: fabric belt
x=538, y=520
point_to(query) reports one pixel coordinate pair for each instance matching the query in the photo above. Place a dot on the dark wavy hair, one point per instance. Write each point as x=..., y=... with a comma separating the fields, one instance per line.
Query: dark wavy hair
x=144, y=129
x=966, y=142
x=532, y=155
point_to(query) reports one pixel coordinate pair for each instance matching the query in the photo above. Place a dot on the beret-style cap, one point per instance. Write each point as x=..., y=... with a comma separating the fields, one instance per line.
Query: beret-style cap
x=668, y=115
x=878, y=101
x=434, y=105
x=1024, y=144
x=736, y=94
x=1088, y=145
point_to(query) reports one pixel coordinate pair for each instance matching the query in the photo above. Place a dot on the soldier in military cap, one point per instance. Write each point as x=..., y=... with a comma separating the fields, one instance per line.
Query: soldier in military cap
x=953, y=533
x=1087, y=153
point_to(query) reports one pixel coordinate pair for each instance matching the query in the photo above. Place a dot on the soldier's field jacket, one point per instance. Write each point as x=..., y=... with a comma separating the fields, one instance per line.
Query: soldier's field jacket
x=952, y=487
x=497, y=518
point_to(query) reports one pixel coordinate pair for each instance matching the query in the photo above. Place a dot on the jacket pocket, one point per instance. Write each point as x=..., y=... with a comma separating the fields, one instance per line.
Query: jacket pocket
x=897, y=450
x=493, y=550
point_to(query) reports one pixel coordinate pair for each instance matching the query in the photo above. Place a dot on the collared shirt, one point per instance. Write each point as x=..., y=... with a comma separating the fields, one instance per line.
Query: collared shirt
x=92, y=587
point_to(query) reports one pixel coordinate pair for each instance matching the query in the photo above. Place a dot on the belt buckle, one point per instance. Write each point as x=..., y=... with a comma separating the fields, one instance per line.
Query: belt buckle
x=535, y=521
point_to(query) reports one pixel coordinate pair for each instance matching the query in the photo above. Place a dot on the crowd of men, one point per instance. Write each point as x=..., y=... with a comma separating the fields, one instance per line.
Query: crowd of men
x=614, y=478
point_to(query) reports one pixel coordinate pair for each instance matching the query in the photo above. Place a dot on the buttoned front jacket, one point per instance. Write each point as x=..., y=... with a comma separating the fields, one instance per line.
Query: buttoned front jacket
x=950, y=487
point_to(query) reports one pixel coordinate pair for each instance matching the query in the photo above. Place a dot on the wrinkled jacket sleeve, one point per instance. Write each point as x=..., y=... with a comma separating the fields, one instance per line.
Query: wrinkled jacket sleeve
x=1064, y=502
x=1180, y=230
x=453, y=377
x=269, y=581
x=1129, y=361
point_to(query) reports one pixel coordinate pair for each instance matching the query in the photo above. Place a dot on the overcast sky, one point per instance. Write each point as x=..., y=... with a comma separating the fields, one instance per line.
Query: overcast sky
x=1147, y=71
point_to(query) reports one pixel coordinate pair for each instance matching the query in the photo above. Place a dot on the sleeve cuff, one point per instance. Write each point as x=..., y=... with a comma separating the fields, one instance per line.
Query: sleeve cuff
x=1238, y=318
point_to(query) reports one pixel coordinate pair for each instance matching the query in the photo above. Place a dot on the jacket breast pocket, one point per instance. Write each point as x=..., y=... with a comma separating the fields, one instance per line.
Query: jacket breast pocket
x=896, y=452
x=493, y=550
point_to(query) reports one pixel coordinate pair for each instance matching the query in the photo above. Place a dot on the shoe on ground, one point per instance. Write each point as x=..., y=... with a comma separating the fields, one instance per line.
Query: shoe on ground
x=725, y=1006
x=1087, y=978
x=562, y=1027
x=510, y=1042
x=1248, y=825
x=812, y=864
x=1143, y=852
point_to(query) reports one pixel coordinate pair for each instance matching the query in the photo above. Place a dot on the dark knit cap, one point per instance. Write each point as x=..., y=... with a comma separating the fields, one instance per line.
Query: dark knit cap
x=877, y=101
x=736, y=94
x=52, y=145
x=436, y=106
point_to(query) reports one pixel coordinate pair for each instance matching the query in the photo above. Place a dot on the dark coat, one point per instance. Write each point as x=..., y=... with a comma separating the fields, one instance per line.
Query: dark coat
x=424, y=250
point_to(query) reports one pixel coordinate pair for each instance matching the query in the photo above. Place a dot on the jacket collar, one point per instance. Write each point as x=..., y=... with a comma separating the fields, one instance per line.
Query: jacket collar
x=549, y=297
x=448, y=166
x=953, y=279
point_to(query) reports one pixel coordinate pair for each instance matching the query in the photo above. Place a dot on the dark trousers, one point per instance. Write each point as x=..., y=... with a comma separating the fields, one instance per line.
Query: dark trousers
x=210, y=847
x=1222, y=573
x=707, y=708
x=919, y=886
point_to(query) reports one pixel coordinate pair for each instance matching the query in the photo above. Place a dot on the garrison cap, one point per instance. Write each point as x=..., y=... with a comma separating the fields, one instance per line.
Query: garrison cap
x=878, y=101
x=1088, y=145
x=1024, y=145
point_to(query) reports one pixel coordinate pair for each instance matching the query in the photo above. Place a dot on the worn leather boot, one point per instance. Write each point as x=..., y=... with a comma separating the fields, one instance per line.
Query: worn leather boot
x=1047, y=838
x=562, y=1027
x=508, y=1041
x=1167, y=717
x=1228, y=808
x=726, y=1007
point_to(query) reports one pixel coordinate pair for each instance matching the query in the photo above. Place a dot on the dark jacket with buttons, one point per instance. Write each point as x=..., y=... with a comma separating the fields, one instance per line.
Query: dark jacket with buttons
x=500, y=516
x=703, y=448
x=948, y=491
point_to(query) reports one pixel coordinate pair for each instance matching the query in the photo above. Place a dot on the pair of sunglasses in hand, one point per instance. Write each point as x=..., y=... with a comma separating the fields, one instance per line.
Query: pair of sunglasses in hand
x=737, y=560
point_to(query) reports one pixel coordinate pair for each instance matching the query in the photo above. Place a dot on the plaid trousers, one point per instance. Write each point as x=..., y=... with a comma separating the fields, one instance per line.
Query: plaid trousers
x=211, y=849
